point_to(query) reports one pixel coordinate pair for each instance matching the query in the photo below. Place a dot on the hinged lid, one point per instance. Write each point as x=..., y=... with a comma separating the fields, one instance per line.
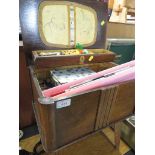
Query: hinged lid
x=62, y=24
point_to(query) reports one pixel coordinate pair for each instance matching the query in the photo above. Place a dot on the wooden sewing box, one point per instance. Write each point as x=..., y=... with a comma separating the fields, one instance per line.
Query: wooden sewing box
x=53, y=26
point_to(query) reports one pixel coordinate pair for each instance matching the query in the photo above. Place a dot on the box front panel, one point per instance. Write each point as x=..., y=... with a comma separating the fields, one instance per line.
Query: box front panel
x=78, y=119
x=124, y=103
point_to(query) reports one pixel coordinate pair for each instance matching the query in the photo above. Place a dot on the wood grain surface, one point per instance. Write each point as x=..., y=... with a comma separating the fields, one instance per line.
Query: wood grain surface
x=124, y=102
x=26, y=114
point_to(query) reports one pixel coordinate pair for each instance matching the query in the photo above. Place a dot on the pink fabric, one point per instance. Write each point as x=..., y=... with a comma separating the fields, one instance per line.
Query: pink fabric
x=123, y=76
x=61, y=88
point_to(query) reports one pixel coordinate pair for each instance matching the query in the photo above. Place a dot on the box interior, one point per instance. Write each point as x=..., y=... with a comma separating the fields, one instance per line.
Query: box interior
x=43, y=75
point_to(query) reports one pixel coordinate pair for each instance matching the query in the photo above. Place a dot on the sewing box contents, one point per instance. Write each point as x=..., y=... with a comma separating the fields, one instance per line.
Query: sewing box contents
x=68, y=75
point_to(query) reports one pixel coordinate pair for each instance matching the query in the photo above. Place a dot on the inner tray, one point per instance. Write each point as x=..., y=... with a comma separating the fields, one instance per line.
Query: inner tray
x=46, y=59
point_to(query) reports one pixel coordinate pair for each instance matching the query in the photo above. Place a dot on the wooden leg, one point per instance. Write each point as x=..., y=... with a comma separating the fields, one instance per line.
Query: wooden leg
x=117, y=132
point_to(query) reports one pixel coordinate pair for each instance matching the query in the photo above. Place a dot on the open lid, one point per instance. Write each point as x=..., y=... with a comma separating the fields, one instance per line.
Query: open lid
x=62, y=24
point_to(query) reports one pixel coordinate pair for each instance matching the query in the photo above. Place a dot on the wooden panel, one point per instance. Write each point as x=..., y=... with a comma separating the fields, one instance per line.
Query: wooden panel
x=116, y=103
x=130, y=4
x=59, y=127
x=107, y=97
x=45, y=116
x=112, y=98
x=48, y=62
x=110, y=4
x=120, y=30
x=62, y=126
x=78, y=119
x=26, y=114
x=29, y=24
x=124, y=103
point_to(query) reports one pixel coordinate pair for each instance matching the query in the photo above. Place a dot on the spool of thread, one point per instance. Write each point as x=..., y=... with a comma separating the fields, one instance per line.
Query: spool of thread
x=81, y=51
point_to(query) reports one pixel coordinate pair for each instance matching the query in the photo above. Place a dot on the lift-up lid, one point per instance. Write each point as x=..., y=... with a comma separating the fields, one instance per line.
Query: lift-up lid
x=55, y=25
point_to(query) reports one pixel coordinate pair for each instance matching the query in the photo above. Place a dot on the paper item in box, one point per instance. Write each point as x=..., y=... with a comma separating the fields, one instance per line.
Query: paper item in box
x=69, y=75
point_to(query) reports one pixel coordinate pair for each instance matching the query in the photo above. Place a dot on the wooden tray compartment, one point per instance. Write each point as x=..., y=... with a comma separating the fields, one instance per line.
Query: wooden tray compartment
x=97, y=56
x=88, y=113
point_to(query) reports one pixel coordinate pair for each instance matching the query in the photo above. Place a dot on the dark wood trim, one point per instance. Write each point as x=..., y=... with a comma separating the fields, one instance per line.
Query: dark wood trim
x=26, y=114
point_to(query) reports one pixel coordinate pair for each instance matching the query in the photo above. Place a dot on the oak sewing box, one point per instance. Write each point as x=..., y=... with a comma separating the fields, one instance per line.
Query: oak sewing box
x=53, y=26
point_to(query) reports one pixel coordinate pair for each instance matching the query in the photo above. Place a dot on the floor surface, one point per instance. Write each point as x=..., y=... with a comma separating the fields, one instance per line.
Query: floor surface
x=97, y=144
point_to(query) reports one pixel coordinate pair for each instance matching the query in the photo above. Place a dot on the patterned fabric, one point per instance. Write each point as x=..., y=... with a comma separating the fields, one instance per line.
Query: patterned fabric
x=69, y=75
